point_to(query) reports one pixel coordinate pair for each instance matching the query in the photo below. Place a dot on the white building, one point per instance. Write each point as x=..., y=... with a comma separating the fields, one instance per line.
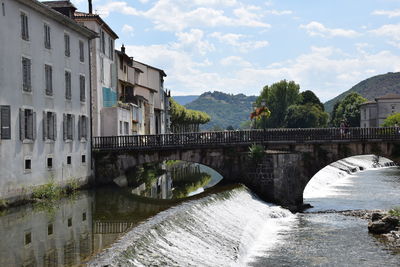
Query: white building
x=44, y=97
x=104, y=79
x=373, y=113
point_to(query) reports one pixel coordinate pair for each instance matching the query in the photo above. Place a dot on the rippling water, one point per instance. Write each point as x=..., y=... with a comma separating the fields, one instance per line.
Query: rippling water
x=224, y=226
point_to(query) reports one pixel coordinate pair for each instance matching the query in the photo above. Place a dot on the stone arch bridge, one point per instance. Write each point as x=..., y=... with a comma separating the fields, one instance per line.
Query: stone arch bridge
x=291, y=156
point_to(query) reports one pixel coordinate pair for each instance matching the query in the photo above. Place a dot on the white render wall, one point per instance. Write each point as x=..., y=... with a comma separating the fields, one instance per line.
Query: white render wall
x=14, y=180
x=98, y=83
x=112, y=120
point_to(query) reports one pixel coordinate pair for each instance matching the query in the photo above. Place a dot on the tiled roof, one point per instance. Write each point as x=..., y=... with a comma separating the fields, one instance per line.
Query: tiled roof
x=388, y=96
x=58, y=4
x=82, y=16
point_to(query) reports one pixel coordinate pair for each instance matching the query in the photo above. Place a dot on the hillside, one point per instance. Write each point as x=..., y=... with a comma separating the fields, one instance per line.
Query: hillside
x=184, y=99
x=225, y=109
x=371, y=88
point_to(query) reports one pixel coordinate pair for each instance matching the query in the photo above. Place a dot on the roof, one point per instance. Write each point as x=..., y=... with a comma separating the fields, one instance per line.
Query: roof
x=160, y=70
x=388, y=96
x=57, y=16
x=53, y=4
x=368, y=103
x=82, y=16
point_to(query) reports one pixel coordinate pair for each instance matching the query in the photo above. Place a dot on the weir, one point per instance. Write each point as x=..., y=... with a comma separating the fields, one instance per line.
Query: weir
x=291, y=158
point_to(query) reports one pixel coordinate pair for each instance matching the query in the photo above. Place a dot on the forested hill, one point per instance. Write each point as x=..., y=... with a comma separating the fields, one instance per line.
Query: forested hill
x=184, y=99
x=371, y=88
x=224, y=109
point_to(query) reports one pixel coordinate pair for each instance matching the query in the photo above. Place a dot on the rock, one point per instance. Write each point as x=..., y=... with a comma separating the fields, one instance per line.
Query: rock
x=384, y=225
x=376, y=216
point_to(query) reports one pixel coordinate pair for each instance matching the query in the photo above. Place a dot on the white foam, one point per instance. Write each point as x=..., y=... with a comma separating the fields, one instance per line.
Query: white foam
x=225, y=229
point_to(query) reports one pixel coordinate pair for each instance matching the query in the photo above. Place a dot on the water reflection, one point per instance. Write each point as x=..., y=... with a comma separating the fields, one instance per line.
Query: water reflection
x=69, y=232
x=58, y=235
x=171, y=180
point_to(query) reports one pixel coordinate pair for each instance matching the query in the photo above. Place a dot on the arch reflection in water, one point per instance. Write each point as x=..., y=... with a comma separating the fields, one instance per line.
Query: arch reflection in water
x=171, y=179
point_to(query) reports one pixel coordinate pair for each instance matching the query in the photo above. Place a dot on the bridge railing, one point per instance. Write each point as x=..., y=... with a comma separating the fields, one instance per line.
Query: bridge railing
x=244, y=137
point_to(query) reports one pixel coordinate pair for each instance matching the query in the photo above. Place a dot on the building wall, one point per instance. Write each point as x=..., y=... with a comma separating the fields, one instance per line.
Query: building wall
x=14, y=179
x=116, y=121
x=104, y=84
x=368, y=115
x=386, y=107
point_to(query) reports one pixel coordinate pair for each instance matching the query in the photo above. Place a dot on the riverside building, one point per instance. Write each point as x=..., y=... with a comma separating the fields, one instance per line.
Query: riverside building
x=44, y=96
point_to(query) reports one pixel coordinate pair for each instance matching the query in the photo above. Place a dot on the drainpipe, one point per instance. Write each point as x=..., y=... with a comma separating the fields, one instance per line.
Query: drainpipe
x=90, y=103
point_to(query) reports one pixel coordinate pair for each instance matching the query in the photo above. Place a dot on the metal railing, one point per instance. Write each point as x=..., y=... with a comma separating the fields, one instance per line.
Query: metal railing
x=307, y=135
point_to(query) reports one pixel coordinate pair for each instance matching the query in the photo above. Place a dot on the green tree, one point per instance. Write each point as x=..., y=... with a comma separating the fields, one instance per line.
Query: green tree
x=348, y=109
x=308, y=97
x=230, y=128
x=186, y=120
x=306, y=116
x=392, y=120
x=278, y=97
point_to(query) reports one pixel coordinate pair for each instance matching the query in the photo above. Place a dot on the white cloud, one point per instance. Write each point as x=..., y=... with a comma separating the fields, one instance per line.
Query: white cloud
x=168, y=15
x=315, y=28
x=235, y=61
x=279, y=12
x=194, y=40
x=128, y=29
x=388, y=13
x=389, y=30
x=215, y=2
x=234, y=40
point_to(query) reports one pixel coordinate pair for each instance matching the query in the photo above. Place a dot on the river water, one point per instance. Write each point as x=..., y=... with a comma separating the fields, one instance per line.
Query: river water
x=149, y=222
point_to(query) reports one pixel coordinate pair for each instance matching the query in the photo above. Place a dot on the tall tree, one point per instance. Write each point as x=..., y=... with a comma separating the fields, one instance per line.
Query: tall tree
x=306, y=116
x=308, y=97
x=348, y=110
x=278, y=97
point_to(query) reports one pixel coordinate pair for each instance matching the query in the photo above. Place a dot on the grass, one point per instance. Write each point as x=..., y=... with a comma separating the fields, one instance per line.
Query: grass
x=395, y=211
x=256, y=152
x=53, y=191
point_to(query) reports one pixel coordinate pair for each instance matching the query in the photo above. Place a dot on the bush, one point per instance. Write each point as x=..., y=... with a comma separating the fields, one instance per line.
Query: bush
x=256, y=152
x=395, y=212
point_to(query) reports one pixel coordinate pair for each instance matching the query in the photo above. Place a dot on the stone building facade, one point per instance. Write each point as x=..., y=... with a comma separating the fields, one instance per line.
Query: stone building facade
x=373, y=113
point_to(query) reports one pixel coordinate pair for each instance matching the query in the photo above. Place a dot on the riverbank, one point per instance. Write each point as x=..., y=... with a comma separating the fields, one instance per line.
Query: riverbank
x=383, y=224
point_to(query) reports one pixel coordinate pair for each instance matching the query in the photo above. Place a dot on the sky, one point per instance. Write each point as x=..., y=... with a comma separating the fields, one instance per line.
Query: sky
x=239, y=46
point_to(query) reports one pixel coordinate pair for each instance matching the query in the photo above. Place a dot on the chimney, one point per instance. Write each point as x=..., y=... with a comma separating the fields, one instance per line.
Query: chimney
x=123, y=49
x=90, y=7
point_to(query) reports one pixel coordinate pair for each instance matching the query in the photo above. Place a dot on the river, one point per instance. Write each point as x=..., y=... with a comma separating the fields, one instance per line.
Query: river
x=149, y=222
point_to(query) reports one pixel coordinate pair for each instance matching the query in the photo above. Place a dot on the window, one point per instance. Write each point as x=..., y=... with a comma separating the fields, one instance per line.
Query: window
x=49, y=163
x=69, y=160
x=49, y=125
x=102, y=69
x=27, y=124
x=68, y=126
x=5, y=122
x=24, y=27
x=126, y=127
x=82, y=88
x=84, y=216
x=81, y=51
x=83, y=127
x=69, y=222
x=28, y=164
x=50, y=229
x=124, y=68
x=28, y=238
x=67, y=46
x=26, y=74
x=83, y=158
x=120, y=127
x=48, y=73
x=47, y=43
x=111, y=48
x=103, y=42
x=3, y=8
x=68, y=93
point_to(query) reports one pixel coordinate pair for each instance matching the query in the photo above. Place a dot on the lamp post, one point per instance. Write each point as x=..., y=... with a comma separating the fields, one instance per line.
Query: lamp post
x=263, y=104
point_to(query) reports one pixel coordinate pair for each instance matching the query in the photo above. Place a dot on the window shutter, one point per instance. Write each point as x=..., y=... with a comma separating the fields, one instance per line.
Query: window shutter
x=79, y=127
x=21, y=124
x=85, y=129
x=65, y=126
x=28, y=74
x=5, y=122
x=45, y=125
x=33, y=125
x=54, y=126
x=72, y=126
